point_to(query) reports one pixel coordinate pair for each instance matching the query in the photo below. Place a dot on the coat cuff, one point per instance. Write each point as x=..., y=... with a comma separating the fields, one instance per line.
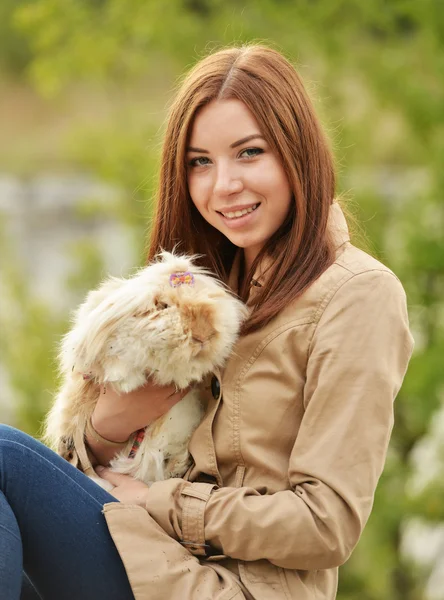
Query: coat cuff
x=164, y=505
x=178, y=506
x=195, y=498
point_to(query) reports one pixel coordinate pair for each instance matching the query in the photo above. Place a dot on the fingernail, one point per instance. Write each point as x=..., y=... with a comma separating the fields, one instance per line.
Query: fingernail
x=99, y=469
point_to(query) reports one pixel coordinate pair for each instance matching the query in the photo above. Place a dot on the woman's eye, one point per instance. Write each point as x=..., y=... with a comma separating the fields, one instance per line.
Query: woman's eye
x=251, y=152
x=200, y=161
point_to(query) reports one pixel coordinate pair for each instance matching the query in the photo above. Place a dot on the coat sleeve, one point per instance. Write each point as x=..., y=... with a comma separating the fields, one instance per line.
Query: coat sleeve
x=357, y=360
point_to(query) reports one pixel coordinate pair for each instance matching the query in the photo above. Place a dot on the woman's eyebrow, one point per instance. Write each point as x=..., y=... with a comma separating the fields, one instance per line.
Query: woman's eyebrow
x=246, y=139
x=233, y=145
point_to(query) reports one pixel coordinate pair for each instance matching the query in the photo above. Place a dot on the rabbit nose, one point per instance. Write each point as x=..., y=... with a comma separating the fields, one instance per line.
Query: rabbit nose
x=200, y=325
x=198, y=346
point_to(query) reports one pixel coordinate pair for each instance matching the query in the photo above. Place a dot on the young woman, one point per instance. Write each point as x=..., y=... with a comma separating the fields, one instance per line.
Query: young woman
x=288, y=456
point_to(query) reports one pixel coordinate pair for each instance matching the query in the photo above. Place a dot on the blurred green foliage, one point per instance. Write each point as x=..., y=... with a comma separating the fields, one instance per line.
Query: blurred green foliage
x=28, y=343
x=15, y=53
x=376, y=72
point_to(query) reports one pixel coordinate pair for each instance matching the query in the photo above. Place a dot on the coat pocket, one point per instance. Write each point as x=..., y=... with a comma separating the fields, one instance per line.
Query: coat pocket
x=263, y=580
x=260, y=571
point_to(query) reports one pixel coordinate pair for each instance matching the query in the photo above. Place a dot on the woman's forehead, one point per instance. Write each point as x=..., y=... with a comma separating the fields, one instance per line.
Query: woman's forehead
x=226, y=121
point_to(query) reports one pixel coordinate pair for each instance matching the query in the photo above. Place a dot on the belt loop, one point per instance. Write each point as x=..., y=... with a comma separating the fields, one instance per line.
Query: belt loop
x=239, y=477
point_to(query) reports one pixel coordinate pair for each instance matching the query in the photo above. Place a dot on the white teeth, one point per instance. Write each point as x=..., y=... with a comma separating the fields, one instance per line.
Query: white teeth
x=240, y=213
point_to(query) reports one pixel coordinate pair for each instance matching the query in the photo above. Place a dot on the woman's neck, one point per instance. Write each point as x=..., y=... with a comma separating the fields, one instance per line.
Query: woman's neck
x=249, y=256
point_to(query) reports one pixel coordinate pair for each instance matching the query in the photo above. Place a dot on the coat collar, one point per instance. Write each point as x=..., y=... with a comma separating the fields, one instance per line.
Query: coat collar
x=337, y=225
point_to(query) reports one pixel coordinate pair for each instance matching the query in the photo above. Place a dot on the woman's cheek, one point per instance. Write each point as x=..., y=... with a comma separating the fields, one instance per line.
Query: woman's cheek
x=193, y=191
x=196, y=187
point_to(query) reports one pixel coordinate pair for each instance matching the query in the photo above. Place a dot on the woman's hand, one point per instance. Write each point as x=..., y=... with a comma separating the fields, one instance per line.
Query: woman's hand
x=126, y=489
x=116, y=416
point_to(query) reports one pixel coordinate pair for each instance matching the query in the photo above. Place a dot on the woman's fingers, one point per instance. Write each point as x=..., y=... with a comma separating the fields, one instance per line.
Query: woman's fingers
x=126, y=489
x=117, y=416
x=171, y=400
x=178, y=392
x=114, y=478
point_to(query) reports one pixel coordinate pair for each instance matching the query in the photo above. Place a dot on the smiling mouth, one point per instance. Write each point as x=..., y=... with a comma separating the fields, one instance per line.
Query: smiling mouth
x=239, y=213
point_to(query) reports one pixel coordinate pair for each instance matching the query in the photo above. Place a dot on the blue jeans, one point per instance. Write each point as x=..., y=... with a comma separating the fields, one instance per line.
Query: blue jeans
x=54, y=542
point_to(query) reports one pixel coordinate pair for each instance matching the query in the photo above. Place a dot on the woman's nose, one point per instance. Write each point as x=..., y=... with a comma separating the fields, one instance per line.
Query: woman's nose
x=227, y=181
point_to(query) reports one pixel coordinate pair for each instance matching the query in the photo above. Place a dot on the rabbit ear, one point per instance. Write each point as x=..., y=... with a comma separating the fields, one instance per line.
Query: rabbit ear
x=96, y=332
x=73, y=343
x=121, y=304
x=95, y=297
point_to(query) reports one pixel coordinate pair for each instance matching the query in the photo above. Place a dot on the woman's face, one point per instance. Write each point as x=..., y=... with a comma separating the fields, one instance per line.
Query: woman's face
x=236, y=183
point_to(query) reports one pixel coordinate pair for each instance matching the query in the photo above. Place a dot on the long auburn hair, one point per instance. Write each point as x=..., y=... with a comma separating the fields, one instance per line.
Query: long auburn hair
x=302, y=248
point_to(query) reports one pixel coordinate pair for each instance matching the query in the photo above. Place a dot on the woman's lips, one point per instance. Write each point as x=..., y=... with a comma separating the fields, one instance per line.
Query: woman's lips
x=238, y=222
x=235, y=222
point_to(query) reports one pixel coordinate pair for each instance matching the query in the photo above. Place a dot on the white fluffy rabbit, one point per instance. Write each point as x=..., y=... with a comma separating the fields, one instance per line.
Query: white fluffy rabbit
x=171, y=321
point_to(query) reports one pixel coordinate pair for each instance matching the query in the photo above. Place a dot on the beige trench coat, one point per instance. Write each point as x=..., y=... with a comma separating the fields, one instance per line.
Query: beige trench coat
x=288, y=456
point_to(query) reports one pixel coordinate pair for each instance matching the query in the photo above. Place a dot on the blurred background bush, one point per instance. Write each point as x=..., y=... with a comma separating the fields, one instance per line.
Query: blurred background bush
x=84, y=91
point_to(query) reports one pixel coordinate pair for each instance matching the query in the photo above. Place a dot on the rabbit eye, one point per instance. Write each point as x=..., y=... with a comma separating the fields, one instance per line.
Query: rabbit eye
x=161, y=305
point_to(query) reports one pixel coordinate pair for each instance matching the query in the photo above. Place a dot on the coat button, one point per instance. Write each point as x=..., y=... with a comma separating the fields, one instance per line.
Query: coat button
x=215, y=387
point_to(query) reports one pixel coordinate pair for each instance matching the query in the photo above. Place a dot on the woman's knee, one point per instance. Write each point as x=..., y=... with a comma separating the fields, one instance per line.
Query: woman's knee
x=17, y=451
x=10, y=434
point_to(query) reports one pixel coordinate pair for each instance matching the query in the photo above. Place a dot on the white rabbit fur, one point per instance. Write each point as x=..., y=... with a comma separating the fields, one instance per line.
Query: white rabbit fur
x=132, y=328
